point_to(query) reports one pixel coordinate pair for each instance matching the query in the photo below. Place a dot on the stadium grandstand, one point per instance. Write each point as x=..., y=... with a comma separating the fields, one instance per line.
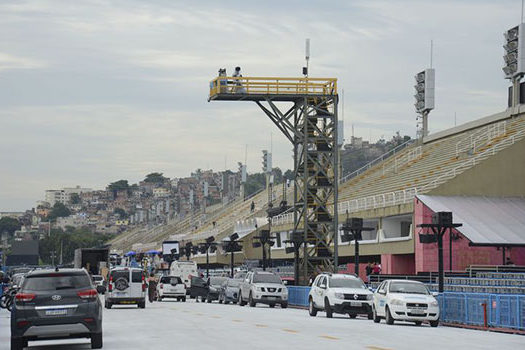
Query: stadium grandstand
x=475, y=170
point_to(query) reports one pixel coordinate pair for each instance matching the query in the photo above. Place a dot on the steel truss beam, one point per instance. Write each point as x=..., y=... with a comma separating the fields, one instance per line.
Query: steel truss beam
x=311, y=126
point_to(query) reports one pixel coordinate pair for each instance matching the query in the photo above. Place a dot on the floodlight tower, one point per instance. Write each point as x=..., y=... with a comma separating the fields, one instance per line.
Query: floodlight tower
x=514, y=58
x=425, y=82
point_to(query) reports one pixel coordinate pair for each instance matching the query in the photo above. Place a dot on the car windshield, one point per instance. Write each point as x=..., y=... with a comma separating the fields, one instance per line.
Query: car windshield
x=408, y=287
x=215, y=281
x=346, y=283
x=56, y=281
x=266, y=278
x=233, y=283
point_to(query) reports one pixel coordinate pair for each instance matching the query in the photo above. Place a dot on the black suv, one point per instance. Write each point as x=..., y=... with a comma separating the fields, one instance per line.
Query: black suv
x=55, y=304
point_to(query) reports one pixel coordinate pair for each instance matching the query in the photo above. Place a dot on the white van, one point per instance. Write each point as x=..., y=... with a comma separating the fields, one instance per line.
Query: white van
x=126, y=285
x=184, y=269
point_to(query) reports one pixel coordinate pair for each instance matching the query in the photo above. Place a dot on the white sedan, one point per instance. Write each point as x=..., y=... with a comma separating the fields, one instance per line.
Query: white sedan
x=405, y=300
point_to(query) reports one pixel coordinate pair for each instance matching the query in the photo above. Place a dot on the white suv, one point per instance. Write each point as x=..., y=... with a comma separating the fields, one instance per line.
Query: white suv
x=405, y=301
x=171, y=287
x=263, y=287
x=339, y=293
x=126, y=285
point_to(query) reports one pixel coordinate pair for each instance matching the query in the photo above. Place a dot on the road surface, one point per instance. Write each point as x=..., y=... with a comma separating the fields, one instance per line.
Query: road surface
x=190, y=325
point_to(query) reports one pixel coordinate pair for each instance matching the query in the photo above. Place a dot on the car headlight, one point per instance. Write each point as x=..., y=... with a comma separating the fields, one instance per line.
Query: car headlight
x=397, y=302
x=434, y=303
x=259, y=289
x=370, y=297
x=339, y=295
x=285, y=290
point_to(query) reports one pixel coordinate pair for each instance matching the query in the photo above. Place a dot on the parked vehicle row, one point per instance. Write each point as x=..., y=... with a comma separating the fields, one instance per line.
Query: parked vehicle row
x=401, y=300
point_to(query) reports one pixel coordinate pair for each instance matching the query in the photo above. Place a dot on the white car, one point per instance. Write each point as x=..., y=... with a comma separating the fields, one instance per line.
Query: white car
x=339, y=293
x=263, y=287
x=185, y=270
x=171, y=287
x=126, y=285
x=405, y=300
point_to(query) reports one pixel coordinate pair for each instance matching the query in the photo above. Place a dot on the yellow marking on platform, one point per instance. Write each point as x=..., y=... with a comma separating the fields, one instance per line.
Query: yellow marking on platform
x=373, y=347
x=261, y=325
x=290, y=330
x=199, y=314
x=215, y=316
x=328, y=337
x=237, y=320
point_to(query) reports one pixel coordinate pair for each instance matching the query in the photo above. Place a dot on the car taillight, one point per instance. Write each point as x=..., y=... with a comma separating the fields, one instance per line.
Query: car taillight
x=22, y=324
x=110, y=285
x=25, y=297
x=161, y=286
x=87, y=294
x=143, y=284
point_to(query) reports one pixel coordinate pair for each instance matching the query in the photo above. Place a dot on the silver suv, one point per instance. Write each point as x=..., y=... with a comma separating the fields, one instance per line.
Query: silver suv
x=263, y=287
x=126, y=285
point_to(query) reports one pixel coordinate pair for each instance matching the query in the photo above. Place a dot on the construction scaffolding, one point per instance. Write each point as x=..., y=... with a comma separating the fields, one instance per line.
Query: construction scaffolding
x=305, y=110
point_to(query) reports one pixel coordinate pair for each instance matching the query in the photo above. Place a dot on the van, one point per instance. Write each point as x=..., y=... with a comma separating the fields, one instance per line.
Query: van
x=126, y=285
x=184, y=270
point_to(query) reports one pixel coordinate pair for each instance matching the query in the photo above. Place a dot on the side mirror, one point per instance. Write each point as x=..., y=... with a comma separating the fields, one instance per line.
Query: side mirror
x=101, y=289
x=285, y=282
x=435, y=294
x=382, y=292
x=322, y=286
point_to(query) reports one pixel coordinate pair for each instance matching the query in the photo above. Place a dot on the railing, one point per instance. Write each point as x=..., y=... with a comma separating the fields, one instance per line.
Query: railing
x=481, y=137
x=404, y=159
x=379, y=159
x=266, y=86
x=378, y=201
x=472, y=161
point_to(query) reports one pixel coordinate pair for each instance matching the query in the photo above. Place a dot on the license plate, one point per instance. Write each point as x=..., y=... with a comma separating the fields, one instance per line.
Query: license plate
x=355, y=303
x=271, y=298
x=416, y=311
x=56, y=312
x=119, y=294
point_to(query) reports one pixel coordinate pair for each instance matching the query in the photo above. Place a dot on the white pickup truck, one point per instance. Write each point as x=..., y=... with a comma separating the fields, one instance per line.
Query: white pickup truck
x=171, y=287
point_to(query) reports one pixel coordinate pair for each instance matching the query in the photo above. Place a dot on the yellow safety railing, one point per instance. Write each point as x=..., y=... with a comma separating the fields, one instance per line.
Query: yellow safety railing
x=273, y=86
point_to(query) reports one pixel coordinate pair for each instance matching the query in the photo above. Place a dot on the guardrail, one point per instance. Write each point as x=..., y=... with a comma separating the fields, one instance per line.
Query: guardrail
x=272, y=85
x=298, y=295
x=379, y=159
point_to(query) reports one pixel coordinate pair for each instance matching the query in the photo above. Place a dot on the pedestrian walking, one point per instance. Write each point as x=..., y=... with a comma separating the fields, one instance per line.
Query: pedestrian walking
x=369, y=269
x=376, y=269
x=252, y=207
x=152, y=287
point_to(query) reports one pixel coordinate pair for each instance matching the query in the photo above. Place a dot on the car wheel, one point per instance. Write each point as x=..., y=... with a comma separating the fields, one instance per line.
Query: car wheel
x=272, y=305
x=388, y=317
x=376, y=318
x=183, y=299
x=434, y=323
x=251, y=301
x=352, y=315
x=328, y=309
x=284, y=305
x=311, y=308
x=159, y=298
x=208, y=300
x=418, y=323
x=17, y=343
x=226, y=301
x=108, y=305
x=96, y=340
x=241, y=302
x=142, y=305
x=220, y=300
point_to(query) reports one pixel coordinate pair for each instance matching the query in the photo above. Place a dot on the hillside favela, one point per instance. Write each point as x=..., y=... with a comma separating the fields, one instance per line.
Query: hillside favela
x=253, y=175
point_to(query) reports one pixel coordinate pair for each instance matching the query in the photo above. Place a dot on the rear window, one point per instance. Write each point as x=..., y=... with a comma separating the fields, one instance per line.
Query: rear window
x=136, y=276
x=57, y=281
x=171, y=280
x=97, y=278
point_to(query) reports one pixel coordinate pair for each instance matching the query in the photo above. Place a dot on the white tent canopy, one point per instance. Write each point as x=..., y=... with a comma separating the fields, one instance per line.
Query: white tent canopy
x=492, y=221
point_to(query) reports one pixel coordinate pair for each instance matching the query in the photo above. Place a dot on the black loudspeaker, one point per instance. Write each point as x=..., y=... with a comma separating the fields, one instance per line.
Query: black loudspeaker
x=427, y=238
x=442, y=218
x=290, y=250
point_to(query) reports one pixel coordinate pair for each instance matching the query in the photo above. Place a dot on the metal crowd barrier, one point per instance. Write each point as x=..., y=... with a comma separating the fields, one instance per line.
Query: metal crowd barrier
x=298, y=295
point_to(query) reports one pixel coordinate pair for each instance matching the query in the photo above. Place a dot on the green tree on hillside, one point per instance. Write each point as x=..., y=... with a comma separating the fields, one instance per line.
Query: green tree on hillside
x=9, y=225
x=59, y=210
x=74, y=198
x=155, y=178
x=118, y=185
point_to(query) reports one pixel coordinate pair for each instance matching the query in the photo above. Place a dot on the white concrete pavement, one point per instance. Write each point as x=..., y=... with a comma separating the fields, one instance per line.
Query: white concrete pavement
x=190, y=325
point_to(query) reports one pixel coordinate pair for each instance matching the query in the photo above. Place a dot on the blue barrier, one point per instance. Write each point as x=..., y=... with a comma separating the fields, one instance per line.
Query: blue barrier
x=503, y=311
x=298, y=295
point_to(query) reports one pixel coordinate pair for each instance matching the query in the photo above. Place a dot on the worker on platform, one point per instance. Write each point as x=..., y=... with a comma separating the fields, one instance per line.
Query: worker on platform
x=238, y=88
x=223, y=82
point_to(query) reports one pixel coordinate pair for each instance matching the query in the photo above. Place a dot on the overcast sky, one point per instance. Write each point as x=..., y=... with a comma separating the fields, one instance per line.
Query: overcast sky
x=96, y=91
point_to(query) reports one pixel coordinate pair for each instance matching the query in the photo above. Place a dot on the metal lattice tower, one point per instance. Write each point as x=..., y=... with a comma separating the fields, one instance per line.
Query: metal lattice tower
x=305, y=110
